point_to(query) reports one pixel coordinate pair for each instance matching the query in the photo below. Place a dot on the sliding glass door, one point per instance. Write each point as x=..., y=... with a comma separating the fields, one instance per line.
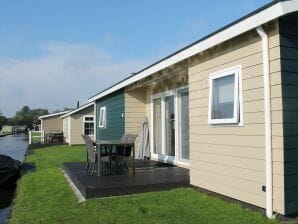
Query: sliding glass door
x=164, y=126
x=169, y=126
x=170, y=137
x=183, y=124
x=157, y=141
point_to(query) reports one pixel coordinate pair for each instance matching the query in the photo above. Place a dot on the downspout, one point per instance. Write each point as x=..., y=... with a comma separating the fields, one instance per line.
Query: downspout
x=69, y=130
x=94, y=119
x=267, y=113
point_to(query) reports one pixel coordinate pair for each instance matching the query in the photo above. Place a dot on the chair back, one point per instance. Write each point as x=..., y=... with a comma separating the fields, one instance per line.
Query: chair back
x=131, y=138
x=124, y=138
x=126, y=150
x=90, y=148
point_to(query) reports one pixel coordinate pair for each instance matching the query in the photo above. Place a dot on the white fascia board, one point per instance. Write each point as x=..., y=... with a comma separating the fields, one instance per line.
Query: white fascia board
x=52, y=115
x=273, y=12
x=77, y=110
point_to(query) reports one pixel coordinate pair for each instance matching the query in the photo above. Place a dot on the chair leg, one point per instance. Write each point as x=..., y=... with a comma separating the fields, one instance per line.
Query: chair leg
x=100, y=168
x=93, y=168
x=126, y=166
x=90, y=171
x=87, y=166
x=105, y=168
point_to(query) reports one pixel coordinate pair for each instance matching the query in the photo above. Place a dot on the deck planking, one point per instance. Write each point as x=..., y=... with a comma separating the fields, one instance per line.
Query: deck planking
x=150, y=176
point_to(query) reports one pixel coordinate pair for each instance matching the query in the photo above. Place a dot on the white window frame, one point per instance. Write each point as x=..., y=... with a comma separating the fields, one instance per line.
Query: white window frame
x=237, y=110
x=84, y=121
x=103, y=115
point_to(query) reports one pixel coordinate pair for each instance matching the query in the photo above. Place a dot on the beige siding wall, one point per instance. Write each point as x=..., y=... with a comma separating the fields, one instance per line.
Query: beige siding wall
x=289, y=70
x=135, y=111
x=52, y=123
x=6, y=129
x=230, y=159
x=76, y=125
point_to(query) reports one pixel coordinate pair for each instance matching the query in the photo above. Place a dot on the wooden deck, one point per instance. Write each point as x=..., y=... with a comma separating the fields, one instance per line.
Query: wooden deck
x=150, y=176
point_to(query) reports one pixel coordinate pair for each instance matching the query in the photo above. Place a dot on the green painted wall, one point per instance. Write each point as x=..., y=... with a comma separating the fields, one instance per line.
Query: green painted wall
x=114, y=104
x=288, y=26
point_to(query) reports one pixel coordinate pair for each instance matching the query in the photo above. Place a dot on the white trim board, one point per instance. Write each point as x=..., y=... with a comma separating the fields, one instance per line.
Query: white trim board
x=274, y=11
x=53, y=115
x=77, y=110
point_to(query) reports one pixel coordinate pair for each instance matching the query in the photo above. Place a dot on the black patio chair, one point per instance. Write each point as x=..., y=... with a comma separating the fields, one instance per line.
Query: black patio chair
x=123, y=153
x=96, y=158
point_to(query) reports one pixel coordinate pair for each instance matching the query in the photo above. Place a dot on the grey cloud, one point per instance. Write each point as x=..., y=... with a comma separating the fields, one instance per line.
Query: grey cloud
x=64, y=74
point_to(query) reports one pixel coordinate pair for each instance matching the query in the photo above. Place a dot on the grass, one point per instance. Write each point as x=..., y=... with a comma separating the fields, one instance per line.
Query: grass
x=44, y=196
x=35, y=137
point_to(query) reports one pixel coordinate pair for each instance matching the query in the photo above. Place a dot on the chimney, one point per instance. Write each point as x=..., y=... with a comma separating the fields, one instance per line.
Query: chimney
x=78, y=104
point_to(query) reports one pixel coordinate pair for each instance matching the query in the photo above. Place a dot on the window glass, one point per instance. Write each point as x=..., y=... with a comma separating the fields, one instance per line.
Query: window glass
x=102, y=117
x=183, y=125
x=223, y=97
x=88, y=125
x=170, y=125
x=89, y=118
x=88, y=128
x=157, y=140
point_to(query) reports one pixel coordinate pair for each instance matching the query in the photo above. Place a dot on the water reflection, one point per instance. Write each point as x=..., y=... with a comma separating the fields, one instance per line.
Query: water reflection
x=14, y=146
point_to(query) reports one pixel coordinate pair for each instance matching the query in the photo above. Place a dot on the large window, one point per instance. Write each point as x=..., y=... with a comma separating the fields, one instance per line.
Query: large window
x=102, y=117
x=88, y=125
x=170, y=126
x=224, y=99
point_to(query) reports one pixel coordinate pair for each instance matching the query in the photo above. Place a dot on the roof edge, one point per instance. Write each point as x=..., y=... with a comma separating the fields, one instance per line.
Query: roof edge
x=260, y=16
x=53, y=115
x=78, y=109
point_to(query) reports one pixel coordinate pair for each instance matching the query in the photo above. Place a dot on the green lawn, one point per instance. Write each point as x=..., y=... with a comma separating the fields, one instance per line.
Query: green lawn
x=44, y=196
x=35, y=137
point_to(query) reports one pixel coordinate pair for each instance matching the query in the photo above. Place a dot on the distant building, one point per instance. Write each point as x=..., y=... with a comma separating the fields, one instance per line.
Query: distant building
x=52, y=122
x=6, y=129
x=77, y=122
x=19, y=129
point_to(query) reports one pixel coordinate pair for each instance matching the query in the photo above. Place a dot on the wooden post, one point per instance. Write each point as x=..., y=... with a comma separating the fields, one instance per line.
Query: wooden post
x=133, y=159
x=29, y=137
x=42, y=136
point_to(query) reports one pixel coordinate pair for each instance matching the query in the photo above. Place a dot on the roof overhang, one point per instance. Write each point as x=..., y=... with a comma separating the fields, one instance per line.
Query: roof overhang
x=78, y=109
x=262, y=16
x=54, y=114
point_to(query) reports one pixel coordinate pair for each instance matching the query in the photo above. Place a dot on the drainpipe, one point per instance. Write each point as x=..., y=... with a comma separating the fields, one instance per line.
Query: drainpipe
x=267, y=113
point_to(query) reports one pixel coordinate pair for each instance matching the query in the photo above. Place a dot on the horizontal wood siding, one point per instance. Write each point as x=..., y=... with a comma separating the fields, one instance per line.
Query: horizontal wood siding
x=289, y=68
x=135, y=111
x=230, y=159
x=77, y=125
x=115, y=128
x=54, y=123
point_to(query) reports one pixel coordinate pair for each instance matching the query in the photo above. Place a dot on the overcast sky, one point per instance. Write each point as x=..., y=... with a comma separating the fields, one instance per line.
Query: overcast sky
x=55, y=52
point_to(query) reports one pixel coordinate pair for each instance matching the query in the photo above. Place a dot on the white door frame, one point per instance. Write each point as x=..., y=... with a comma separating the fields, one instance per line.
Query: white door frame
x=165, y=158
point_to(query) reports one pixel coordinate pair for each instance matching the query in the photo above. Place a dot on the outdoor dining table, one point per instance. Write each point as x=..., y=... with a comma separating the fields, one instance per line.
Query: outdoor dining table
x=111, y=144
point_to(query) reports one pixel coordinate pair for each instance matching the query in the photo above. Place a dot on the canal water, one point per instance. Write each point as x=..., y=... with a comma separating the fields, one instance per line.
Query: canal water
x=14, y=146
